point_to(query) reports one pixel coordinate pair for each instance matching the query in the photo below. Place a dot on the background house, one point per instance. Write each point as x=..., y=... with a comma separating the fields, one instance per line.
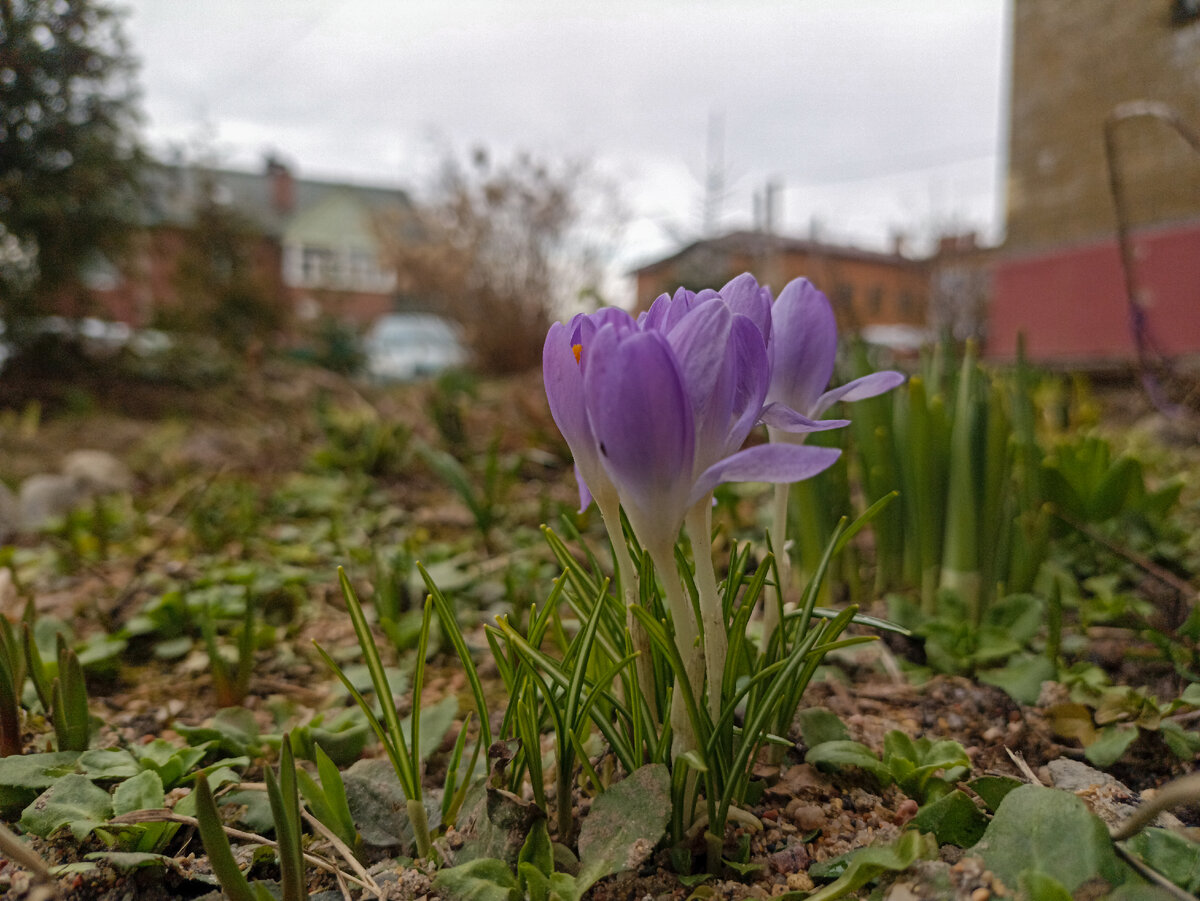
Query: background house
x=882, y=296
x=313, y=246
x=1058, y=278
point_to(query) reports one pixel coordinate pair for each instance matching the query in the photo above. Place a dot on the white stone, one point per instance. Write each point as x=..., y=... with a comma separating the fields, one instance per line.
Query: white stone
x=97, y=472
x=46, y=496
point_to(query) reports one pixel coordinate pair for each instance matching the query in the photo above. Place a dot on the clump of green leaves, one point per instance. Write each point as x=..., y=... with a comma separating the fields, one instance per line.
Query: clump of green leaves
x=231, y=680
x=13, y=663
x=403, y=745
x=482, y=491
x=568, y=671
x=285, y=812
x=923, y=769
x=359, y=440
x=1107, y=719
x=60, y=686
x=622, y=828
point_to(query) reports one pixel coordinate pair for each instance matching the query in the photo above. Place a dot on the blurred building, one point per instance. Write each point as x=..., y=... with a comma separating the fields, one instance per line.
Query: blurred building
x=882, y=296
x=1058, y=278
x=313, y=246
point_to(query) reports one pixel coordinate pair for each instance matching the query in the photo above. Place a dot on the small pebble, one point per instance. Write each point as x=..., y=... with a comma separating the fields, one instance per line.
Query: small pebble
x=799, y=882
x=906, y=811
x=981, y=894
x=806, y=816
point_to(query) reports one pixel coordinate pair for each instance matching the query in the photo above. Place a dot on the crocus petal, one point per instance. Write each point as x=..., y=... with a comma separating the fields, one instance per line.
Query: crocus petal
x=562, y=375
x=765, y=463
x=748, y=351
x=641, y=417
x=746, y=296
x=585, y=493
x=612, y=316
x=700, y=342
x=564, y=387
x=784, y=418
x=860, y=389
x=654, y=317
x=677, y=310
x=803, y=345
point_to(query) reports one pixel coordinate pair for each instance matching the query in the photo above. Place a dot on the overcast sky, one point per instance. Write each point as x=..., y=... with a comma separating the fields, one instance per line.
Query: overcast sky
x=872, y=114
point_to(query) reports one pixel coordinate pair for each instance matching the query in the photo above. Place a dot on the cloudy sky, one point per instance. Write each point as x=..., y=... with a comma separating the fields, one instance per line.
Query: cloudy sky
x=872, y=115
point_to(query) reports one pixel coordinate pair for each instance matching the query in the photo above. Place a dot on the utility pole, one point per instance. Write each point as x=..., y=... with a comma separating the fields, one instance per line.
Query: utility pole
x=714, y=176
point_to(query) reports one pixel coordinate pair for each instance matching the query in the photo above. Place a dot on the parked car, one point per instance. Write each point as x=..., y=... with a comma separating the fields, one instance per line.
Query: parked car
x=99, y=338
x=403, y=346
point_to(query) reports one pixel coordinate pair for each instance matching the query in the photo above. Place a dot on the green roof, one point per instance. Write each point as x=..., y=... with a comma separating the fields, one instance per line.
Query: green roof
x=318, y=206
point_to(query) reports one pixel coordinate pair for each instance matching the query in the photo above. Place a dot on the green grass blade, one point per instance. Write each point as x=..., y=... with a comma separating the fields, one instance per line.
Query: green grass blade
x=528, y=723
x=333, y=788
x=245, y=650
x=216, y=845
x=10, y=712
x=450, y=784
x=701, y=723
x=36, y=667
x=72, y=701
x=403, y=772
x=418, y=685
x=582, y=655
x=383, y=691
x=281, y=793
x=14, y=653
x=809, y=599
x=454, y=633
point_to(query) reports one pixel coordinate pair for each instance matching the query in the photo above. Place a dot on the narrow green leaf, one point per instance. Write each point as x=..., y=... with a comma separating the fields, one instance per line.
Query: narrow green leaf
x=216, y=845
x=391, y=719
x=285, y=810
x=10, y=710
x=36, y=666
x=451, y=629
x=398, y=764
x=72, y=701
x=418, y=685
x=863, y=520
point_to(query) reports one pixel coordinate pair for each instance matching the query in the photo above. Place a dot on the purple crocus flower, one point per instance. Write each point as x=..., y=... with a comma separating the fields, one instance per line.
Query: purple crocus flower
x=803, y=346
x=670, y=403
x=562, y=372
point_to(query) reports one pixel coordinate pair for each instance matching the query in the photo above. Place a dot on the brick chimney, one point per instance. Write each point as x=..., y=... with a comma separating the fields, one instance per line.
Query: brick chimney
x=283, y=186
x=965, y=242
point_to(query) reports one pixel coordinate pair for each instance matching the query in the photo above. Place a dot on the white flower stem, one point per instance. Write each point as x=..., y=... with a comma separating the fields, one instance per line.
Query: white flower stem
x=627, y=574
x=687, y=640
x=782, y=561
x=712, y=618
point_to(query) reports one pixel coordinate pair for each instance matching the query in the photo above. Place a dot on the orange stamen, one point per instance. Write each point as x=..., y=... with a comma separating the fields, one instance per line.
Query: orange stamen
x=578, y=349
